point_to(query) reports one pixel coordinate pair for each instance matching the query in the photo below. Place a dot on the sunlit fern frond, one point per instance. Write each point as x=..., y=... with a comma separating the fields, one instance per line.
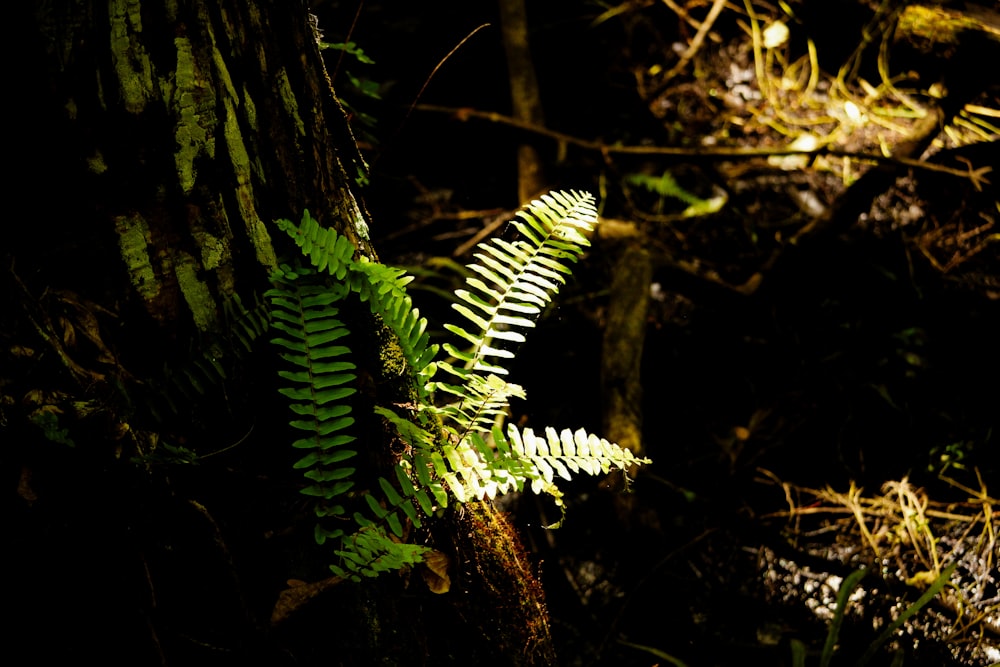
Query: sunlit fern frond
x=558, y=454
x=489, y=463
x=481, y=401
x=515, y=280
x=566, y=451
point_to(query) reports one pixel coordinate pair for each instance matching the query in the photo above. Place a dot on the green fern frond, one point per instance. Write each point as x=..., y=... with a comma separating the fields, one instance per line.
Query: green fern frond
x=382, y=287
x=392, y=513
x=306, y=321
x=244, y=324
x=371, y=551
x=419, y=465
x=515, y=280
x=327, y=251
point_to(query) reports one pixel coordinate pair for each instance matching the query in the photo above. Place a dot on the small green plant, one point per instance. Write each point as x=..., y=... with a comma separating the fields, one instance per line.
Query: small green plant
x=47, y=421
x=666, y=186
x=843, y=600
x=455, y=445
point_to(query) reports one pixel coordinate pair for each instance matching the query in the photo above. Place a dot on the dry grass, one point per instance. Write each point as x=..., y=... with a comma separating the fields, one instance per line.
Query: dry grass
x=911, y=538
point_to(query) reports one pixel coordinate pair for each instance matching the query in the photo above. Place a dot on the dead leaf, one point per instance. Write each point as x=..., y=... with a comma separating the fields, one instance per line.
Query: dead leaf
x=24, y=486
x=298, y=594
x=435, y=572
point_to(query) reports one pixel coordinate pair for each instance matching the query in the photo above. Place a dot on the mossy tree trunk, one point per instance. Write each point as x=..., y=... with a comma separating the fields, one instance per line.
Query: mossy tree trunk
x=157, y=516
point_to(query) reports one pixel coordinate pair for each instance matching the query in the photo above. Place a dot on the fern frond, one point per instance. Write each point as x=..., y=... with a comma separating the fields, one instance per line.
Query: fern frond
x=371, y=551
x=392, y=513
x=318, y=383
x=457, y=449
x=515, y=280
x=565, y=451
x=481, y=402
x=419, y=465
x=327, y=251
x=246, y=325
x=474, y=469
x=382, y=287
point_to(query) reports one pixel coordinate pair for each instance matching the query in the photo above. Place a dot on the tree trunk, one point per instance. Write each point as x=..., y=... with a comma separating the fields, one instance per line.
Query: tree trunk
x=526, y=100
x=157, y=516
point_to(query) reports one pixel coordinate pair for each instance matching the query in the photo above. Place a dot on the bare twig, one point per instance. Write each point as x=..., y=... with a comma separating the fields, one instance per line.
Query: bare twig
x=711, y=153
x=697, y=40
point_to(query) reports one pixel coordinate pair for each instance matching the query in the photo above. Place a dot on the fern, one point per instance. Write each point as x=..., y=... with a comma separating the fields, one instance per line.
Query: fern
x=457, y=449
x=319, y=382
x=481, y=402
x=516, y=280
x=382, y=287
x=667, y=186
x=370, y=552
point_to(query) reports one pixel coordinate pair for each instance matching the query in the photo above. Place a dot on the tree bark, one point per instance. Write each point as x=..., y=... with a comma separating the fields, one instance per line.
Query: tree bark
x=157, y=515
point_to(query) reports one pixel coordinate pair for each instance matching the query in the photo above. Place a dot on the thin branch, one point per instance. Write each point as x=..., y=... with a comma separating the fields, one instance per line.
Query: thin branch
x=697, y=40
x=974, y=176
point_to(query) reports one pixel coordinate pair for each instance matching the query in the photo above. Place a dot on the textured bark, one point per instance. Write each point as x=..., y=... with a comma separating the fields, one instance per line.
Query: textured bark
x=624, y=339
x=526, y=100
x=172, y=135
x=191, y=127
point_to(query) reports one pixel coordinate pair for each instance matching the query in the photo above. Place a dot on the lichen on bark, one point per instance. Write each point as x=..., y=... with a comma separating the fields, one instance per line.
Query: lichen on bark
x=196, y=293
x=195, y=119
x=131, y=61
x=133, y=242
x=245, y=200
x=288, y=100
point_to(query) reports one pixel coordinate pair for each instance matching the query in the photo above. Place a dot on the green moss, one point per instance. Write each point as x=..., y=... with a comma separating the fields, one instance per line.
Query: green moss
x=240, y=160
x=133, y=242
x=249, y=109
x=196, y=293
x=214, y=251
x=222, y=73
x=96, y=163
x=289, y=101
x=192, y=136
x=131, y=62
x=234, y=142
x=393, y=363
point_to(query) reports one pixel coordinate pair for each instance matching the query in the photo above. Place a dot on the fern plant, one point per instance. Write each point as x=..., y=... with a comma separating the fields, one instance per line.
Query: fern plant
x=456, y=446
